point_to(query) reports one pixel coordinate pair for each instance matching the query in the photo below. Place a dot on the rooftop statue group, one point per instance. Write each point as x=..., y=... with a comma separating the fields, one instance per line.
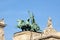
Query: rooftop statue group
x=29, y=24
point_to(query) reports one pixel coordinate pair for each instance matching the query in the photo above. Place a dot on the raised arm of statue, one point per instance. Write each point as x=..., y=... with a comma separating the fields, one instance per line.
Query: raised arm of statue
x=31, y=17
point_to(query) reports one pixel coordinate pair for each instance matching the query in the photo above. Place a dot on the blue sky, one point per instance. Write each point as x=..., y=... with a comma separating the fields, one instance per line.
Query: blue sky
x=11, y=10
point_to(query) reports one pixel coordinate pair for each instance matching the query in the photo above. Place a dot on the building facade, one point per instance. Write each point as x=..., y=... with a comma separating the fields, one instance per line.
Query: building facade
x=48, y=34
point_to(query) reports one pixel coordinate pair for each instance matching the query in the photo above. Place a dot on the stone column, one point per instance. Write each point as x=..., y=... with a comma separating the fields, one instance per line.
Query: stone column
x=2, y=25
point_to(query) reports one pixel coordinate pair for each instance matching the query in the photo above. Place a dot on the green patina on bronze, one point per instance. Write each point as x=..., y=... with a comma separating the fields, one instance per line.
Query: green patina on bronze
x=29, y=24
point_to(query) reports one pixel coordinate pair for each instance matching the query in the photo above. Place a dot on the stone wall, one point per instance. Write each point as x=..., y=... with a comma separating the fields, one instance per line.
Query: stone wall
x=28, y=35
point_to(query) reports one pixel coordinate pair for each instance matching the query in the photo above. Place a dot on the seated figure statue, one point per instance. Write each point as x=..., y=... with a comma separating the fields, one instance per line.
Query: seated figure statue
x=28, y=26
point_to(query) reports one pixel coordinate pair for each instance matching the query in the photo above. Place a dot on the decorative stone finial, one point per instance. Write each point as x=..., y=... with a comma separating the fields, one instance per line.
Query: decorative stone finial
x=49, y=24
x=2, y=24
x=49, y=28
